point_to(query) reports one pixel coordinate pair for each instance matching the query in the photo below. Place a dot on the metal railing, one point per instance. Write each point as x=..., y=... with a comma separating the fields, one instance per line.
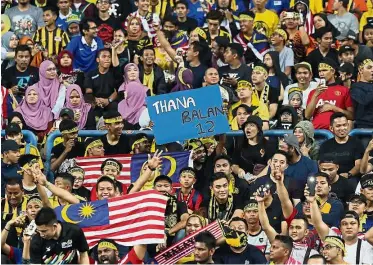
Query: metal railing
x=30, y=137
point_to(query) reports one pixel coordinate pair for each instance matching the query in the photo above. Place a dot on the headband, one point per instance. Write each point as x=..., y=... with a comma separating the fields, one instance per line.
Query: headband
x=106, y=244
x=93, y=144
x=335, y=242
x=112, y=163
x=251, y=206
x=365, y=62
x=193, y=145
x=202, y=219
x=35, y=199
x=325, y=66
x=73, y=130
x=282, y=33
x=260, y=69
x=243, y=84
x=245, y=17
x=76, y=169
x=27, y=165
x=139, y=141
x=208, y=140
x=188, y=171
x=114, y=120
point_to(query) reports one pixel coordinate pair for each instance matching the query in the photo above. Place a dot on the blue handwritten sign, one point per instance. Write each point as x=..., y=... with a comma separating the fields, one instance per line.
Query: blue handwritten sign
x=187, y=114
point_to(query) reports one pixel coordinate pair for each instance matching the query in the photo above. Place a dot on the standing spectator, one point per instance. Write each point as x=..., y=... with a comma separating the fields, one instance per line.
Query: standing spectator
x=197, y=11
x=147, y=17
x=85, y=49
x=235, y=70
x=346, y=150
x=106, y=23
x=343, y=20
x=9, y=162
x=361, y=52
x=214, y=18
x=195, y=62
x=25, y=18
x=278, y=40
x=114, y=142
x=185, y=22
x=328, y=98
x=65, y=11
x=101, y=84
x=324, y=37
x=266, y=20
x=51, y=37
x=361, y=94
x=48, y=242
x=303, y=74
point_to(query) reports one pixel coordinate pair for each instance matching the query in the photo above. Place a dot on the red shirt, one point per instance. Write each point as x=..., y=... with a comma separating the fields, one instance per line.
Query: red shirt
x=336, y=95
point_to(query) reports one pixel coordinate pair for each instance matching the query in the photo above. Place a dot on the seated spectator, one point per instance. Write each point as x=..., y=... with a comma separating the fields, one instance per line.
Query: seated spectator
x=52, y=92
x=17, y=118
x=306, y=138
x=67, y=74
x=218, y=47
x=204, y=249
x=358, y=204
x=8, y=44
x=266, y=20
x=83, y=112
x=347, y=74
x=214, y=19
x=240, y=115
x=366, y=189
x=276, y=78
x=296, y=101
x=287, y=118
x=346, y=150
x=120, y=53
x=328, y=98
x=184, y=79
x=221, y=196
x=37, y=116
x=187, y=193
x=64, y=153
x=78, y=188
x=342, y=19
x=231, y=253
x=114, y=142
x=26, y=162
x=361, y=96
x=195, y=61
x=185, y=21
x=278, y=40
x=137, y=37
x=281, y=250
x=334, y=250
x=94, y=147
x=141, y=144
x=361, y=52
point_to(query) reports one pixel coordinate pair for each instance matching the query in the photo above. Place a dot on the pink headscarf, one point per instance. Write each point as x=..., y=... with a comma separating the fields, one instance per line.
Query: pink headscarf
x=132, y=106
x=83, y=107
x=36, y=116
x=48, y=88
x=123, y=86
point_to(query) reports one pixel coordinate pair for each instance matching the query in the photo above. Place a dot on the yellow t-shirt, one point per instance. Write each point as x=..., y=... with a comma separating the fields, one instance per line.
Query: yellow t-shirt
x=55, y=203
x=33, y=151
x=363, y=20
x=266, y=22
x=148, y=82
x=261, y=111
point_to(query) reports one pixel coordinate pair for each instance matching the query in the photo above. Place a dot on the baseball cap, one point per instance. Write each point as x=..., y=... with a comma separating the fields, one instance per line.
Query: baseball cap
x=358, y=198
x=73, y=18
x=351, y=214
x=346, y=68
x=345, y=48
x=12, y=128
x=68, y=112
x=366, y=181
x=292, y=140
x=304, y=65
x=9, y=145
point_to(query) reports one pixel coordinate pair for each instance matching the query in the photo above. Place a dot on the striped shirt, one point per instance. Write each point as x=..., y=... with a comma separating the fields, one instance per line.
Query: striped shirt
x=54, y=41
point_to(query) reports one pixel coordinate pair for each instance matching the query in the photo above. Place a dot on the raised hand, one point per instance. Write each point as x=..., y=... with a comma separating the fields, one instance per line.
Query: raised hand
x=155, y=161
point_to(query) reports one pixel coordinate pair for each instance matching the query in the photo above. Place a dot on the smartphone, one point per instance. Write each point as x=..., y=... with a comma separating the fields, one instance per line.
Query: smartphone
x=31, y=228
x=322, y=82
x=264, y=189
x=57, y=124
x=225, y=75
x=311, y=183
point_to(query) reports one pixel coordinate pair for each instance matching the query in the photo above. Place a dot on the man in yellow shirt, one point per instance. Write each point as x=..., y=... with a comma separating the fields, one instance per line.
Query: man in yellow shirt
x=266, y=21
x=365, y=18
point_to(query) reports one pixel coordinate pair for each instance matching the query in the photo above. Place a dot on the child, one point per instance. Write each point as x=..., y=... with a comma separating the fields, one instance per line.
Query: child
x=187, y=193
x=78, y=188
x=296, y=101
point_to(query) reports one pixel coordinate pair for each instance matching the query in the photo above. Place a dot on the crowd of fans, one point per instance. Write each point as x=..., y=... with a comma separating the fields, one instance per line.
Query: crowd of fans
x=302, y=65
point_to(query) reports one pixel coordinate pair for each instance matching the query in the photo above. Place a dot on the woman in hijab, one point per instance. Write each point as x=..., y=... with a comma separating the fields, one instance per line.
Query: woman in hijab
x=51, y=91
x=137, y=38
x=9, y=42
x=5, y=24
x=305, y=134
x=131, y=74
x=65, y=66
x=184, y=79
x=83, y=112
x=37, y=116
x=276, y=78
x=133, y=105
x=37, y=56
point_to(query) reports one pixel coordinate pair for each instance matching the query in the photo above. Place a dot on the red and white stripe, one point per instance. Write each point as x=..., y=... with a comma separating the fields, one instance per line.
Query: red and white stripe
x=92, y=169
x=134, y=219
x=179, y=252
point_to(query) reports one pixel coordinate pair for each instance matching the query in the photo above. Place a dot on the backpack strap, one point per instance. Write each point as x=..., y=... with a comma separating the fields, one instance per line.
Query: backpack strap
x=359, y=241
x=306, y=256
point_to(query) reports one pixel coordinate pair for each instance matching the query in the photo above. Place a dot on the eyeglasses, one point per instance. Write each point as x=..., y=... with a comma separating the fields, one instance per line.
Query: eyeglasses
x=328, y=247
x=52, y=69
x=93, y=28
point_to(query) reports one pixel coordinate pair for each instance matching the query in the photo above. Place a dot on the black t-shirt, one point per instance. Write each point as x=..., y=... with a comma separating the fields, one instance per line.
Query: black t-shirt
x=122, y=147
x=83, y=192
x=251, y=255
x=12, y=77
x=237, y=205
x=103, y=85
x=189, y=25
x=77, y=150
x=342, y=189
x=241, y=73
x=198, y=74
x=64, y=249
x=172, y=218
x=106, y=28
x=274, y=212
x=250, y=155
x=343, y=154
x=315, y=57
x=273, y=95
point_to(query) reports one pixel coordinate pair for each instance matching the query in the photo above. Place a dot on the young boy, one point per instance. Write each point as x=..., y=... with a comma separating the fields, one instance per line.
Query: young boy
x=78, y=188
x=187, y=193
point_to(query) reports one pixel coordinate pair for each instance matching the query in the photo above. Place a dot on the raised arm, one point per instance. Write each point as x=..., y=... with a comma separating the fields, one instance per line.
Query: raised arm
x=286, y=205
x=263, y=218
x=321, y=228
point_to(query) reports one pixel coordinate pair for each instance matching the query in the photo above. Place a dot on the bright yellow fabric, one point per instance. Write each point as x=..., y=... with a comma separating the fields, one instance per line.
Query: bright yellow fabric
x=261, y=111
x=33, y=151
x=148, y=82
x=269, y=19
x=316, y=6
x=363, y=20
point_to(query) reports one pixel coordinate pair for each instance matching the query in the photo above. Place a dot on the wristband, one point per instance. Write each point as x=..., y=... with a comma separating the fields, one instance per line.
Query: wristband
x=349, y=175
x=6, y=229
x=152, y=169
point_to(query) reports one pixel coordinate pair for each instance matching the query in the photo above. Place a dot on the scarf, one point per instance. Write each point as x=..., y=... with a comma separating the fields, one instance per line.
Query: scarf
x=83, y=107
x=48, y=88
x=214, y=211
x=123, y=86
x=184, y=79
x=171, y=211
x=65, y=69
x=5, y=41
x=132, y=106
x=36, y=116
x=132, y=35
x=263, y=96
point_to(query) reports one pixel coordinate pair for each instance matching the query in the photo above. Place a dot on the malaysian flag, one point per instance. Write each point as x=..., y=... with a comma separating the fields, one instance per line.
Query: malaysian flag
x=132, y=166
x=185, y=247
x=130, y=220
